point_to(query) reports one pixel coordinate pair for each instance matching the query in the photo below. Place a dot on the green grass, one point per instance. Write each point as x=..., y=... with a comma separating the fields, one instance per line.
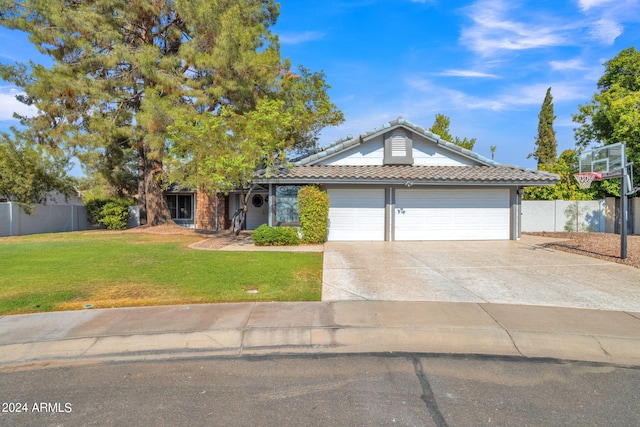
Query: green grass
x=67, y=271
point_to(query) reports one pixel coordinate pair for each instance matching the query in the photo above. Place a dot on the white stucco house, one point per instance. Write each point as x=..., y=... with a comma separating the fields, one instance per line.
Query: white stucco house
x=401, y=182
x=397, y=182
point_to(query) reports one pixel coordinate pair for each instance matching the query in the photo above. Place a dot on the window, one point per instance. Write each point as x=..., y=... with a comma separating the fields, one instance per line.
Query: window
x=180, y=206
x=287, y=204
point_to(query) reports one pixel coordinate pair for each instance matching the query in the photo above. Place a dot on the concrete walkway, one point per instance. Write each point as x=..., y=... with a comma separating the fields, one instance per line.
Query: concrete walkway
x=502, y=272
x=231, y=330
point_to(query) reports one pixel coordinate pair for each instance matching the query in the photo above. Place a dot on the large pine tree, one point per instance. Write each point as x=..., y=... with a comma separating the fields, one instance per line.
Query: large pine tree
x=125, y=70
x=546, y=144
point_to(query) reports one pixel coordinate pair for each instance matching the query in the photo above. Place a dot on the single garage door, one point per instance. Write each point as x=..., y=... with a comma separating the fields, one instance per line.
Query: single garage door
x=473, y=214
x=356, y=214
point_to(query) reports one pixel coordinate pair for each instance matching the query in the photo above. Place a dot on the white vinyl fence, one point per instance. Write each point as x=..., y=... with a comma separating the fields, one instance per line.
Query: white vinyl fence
x=49, y=218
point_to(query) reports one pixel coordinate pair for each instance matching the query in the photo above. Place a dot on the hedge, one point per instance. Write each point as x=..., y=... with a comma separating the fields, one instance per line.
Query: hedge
x=275, y=236
x=313, y=208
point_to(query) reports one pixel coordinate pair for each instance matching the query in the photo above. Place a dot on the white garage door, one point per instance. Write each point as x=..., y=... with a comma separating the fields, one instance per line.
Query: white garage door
x=475, y=214
x=356, y=214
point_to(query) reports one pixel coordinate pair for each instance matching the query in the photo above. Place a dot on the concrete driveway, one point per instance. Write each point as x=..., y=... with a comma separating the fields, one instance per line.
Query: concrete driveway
x=513, y=272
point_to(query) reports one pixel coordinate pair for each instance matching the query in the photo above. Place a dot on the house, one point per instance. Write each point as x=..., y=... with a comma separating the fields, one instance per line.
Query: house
x=394, y=183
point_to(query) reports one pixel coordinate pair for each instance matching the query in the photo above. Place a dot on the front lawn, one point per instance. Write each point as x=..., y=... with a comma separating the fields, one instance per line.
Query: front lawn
x=68, y=271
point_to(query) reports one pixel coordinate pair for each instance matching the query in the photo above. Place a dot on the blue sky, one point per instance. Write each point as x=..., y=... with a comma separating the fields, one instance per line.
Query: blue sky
x=486, y=64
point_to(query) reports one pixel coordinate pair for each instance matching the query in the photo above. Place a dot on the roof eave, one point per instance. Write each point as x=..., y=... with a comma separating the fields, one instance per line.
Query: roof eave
x=370, y=181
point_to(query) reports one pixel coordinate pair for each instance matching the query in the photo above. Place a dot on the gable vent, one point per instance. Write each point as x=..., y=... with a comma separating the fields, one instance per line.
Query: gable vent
x=398, y=146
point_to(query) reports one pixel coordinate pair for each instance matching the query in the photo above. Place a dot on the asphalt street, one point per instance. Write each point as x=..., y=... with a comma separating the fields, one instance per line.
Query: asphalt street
x=348, y=390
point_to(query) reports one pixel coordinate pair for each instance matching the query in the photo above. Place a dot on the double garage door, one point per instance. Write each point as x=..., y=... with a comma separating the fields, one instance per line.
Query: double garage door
x=420, y=214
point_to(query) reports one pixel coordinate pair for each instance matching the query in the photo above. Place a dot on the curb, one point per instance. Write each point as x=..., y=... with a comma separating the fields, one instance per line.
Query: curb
x=251, y=329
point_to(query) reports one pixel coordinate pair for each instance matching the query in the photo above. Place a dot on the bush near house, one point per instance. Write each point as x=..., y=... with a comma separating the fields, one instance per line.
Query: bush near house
x=265, y=235
x=313, y=208
x=111, y=213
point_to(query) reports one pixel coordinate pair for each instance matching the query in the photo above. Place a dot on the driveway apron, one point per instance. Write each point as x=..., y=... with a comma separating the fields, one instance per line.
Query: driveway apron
x=510, y=272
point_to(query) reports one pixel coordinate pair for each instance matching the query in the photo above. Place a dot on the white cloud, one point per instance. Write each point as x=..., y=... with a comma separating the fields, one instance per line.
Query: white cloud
x=588, y=4
x=570, y=64
x=467, y=73
x=606, y=30
x=9, y=104
x=442, y=98
x=534, y=94
x=492, y=31
x=302, y=37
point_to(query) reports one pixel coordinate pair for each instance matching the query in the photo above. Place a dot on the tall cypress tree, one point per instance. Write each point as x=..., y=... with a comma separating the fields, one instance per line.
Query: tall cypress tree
x=546, y=144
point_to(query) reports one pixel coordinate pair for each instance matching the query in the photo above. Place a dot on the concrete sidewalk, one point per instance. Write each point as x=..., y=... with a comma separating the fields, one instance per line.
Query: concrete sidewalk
x=148, y=333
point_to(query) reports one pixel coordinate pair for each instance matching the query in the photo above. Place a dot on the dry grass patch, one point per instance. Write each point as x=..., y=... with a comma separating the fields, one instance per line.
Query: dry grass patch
x=127, y=295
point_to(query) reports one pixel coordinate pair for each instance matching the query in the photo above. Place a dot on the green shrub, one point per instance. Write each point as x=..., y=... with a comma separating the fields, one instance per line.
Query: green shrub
x=313, y=208
x=109, y=212
x=275, y=236
x=94, y=209
x=115, y=215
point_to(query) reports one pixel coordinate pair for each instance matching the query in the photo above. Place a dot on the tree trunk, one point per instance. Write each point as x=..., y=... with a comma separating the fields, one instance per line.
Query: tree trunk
x=157, y=207
x=142, y=192
x=245, y=207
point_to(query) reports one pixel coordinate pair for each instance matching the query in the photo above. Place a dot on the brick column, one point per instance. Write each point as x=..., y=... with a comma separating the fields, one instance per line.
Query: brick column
x=206, y=211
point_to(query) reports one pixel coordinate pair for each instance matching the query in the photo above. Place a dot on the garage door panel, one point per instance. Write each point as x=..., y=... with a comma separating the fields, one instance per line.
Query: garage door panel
x=479, y=214
x=356, y=214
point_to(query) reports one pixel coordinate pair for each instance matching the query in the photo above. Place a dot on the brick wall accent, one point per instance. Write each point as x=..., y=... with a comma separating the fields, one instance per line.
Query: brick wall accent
x=206, y=211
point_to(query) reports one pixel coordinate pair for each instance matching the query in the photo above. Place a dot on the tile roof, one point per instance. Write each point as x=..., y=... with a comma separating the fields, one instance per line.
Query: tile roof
x=401, y=174
x=349, y=141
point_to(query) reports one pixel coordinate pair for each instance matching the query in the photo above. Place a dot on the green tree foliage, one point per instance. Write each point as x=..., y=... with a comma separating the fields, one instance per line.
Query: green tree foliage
x=441, y=127
x=30, y=172
x=613, y=114
x=112, y=171
x=125, y=70
x=220, y=152
x=313, y=207
x=546, y=144
x=567, y=187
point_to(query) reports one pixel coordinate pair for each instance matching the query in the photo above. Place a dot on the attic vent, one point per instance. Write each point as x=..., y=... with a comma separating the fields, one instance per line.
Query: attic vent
x=398, y=146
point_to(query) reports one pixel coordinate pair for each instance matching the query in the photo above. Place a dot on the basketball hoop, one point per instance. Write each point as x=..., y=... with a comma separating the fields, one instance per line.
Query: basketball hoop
x=586, y=178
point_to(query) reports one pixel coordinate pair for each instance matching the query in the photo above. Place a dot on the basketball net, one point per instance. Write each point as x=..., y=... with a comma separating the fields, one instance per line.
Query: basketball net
x=586, y=178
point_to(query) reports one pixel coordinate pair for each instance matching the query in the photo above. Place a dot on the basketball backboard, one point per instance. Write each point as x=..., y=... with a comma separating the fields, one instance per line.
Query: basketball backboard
x=606, y=160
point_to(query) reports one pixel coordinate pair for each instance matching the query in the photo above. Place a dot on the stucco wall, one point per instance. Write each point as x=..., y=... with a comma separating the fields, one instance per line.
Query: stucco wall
x=561, y=215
